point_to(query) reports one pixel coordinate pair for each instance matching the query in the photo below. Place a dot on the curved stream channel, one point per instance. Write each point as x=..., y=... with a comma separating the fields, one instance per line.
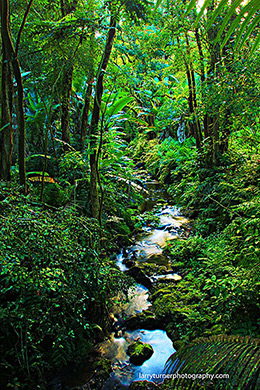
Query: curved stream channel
x=148, y=248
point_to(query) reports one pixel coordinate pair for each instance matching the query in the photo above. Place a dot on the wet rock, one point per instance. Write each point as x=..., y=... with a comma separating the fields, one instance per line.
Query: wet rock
x=125, y=252
x=139, y=276
x=165, y=226
x=143, y=385
x=129, y=262
x=168, y=278
x=102, y=368
x=190, y=213
x=159, y=258
x=139, y=352
x=149, y=268
x=145, y=320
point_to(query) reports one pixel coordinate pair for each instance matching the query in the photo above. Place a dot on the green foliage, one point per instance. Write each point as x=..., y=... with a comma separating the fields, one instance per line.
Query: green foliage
x=221, y=272
x=168, y=159
x=54, y=195
x=55, y=289
x=217, y=355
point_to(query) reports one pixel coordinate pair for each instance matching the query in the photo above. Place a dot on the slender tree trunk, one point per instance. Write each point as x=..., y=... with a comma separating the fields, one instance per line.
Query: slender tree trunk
x=192, y=101
x=228, y=55
x=203, y=78
x=6, y=134
x=11, y=56
x=197, y=125
x=66, y=8
x=65, y=104
x=85, y=114
x=213, y=74
x=94, y=198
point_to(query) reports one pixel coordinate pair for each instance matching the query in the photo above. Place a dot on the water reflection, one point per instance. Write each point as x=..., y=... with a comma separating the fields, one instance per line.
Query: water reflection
x=148, y=248
x=137, y=302
x=125, y=372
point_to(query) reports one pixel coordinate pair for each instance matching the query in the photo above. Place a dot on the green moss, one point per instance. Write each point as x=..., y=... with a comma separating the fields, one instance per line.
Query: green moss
x=139, y=352
x=102, y=368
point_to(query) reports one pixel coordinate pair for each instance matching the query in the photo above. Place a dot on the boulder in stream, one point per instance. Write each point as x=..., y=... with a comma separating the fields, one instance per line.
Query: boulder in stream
x=168, y=278
x=139, y=352
x=129, y=262
x=145, y=320
x=139, y=276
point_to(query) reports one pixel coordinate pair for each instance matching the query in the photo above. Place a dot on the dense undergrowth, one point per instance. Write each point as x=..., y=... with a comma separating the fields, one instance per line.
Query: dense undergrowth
x=219, y=258
x=57, y=279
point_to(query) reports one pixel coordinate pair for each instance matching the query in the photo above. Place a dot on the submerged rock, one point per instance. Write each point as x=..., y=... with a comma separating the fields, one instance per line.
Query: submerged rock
x=139, y=352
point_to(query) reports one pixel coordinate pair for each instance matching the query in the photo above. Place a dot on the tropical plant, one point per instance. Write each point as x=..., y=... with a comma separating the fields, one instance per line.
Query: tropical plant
x=244, y=16
x=217, y=362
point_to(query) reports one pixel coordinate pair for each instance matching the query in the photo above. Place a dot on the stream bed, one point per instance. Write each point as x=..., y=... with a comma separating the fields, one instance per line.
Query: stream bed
x=147, y=249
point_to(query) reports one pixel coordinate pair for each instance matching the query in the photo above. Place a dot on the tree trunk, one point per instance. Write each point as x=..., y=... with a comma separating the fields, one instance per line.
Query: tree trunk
x=11, y=56
x=66, y=8
x=93, y=131
x=85, y=114
x=6, y=134
x=192, y=100
x=202, y=77
x=213, y=74
x=65, y=104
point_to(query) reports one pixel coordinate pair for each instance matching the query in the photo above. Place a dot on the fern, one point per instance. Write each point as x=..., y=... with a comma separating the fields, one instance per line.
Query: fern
x=236, y=356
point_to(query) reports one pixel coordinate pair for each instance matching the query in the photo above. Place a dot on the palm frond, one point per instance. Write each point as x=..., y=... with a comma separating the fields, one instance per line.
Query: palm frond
x=244, y=23
x=237, y=357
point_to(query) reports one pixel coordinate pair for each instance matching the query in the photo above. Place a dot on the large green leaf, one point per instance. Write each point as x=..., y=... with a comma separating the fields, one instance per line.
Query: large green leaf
x=245, y=22
x=249, y=11
x=118, y=105
x=237, y=357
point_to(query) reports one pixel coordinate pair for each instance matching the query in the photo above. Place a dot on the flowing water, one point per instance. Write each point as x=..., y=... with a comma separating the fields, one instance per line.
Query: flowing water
x=148, y=248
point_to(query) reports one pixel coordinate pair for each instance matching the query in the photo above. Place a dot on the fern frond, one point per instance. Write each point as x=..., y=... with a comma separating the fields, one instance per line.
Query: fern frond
x=238, y=357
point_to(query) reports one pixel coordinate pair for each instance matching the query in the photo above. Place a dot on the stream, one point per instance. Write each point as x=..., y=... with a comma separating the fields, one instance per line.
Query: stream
x=147, y=249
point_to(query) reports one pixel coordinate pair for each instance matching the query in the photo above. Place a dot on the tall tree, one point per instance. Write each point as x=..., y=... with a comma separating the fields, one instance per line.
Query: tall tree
x=93, y=131
x=135, y=11
x=13, y=65
x=6, y=134
x=67, y=7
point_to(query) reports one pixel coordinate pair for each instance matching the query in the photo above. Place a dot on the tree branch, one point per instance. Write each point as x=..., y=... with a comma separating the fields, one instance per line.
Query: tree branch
x=22, y=27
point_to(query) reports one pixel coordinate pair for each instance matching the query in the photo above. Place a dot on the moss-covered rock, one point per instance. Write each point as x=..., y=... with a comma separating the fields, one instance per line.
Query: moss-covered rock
x=102, y=368
x=145, y=319
x=139, y=352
